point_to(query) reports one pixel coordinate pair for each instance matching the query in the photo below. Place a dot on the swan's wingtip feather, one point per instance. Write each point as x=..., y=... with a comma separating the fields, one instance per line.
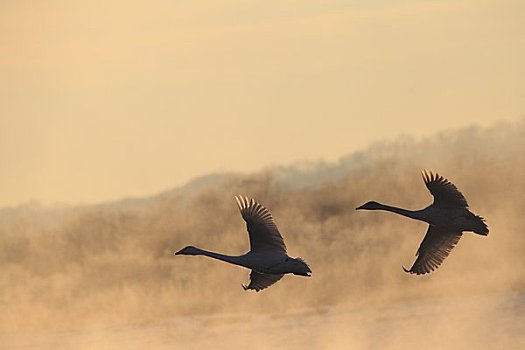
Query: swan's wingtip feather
x=427, y=175
x=238, y=199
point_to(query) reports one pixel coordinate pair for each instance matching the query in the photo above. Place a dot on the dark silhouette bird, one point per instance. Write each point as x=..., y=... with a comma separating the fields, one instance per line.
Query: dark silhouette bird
x=448, y=217
x=267, y=257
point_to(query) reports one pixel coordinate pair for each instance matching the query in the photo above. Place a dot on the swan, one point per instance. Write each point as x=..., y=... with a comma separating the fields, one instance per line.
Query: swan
x=267, y=258
x=448, y=216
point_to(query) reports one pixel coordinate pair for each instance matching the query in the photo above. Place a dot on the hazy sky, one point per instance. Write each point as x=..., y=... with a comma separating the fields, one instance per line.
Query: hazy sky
x=105, y=99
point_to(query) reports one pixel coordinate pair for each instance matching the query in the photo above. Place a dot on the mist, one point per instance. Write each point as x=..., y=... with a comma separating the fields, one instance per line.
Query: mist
x=112, y=264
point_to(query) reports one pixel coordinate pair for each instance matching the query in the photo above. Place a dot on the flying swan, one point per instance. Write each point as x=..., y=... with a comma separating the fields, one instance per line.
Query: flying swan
x=447, y=217
x=267, y=257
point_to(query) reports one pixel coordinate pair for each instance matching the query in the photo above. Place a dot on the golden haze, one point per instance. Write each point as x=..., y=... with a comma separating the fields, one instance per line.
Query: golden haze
x=103, y=276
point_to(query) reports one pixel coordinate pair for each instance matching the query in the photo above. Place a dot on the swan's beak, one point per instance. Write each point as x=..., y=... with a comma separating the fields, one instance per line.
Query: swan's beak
x=309, y=272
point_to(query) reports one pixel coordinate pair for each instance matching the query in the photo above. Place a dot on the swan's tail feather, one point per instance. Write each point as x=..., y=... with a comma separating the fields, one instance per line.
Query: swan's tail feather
x=481, y=227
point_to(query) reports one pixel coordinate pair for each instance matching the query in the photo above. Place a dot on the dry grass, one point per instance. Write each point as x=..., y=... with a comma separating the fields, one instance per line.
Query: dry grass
x=113, y=263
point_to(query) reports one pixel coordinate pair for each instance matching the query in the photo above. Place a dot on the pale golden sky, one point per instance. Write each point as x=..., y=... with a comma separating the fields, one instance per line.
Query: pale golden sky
x=105, y=99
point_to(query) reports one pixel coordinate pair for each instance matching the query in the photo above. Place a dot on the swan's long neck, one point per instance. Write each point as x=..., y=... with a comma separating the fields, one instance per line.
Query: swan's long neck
x=236, y=260
x=413, y=214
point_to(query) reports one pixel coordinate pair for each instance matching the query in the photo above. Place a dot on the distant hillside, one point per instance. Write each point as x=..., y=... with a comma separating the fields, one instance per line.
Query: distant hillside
x=113, y=262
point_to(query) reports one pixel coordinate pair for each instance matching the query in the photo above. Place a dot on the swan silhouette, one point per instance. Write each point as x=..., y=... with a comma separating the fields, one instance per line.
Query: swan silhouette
x=267, y=257
x=448, y=216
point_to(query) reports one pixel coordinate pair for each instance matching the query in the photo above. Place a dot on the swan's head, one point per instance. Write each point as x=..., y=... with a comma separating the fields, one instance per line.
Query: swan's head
x=189, y=250
x=370, y=206
x=298, y=266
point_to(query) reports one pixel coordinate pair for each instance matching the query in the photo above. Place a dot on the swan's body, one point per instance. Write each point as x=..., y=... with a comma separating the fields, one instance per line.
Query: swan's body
x=448, y=217
x=267, y=257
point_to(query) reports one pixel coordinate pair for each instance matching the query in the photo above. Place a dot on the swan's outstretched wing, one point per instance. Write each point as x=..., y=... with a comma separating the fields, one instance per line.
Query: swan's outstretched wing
x=434, y=248
x=259, y=281
x=264, y=235
x=444, y=192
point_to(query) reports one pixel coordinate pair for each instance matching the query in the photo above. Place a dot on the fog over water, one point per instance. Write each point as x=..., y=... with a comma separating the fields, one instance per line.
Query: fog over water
x=69, y=273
